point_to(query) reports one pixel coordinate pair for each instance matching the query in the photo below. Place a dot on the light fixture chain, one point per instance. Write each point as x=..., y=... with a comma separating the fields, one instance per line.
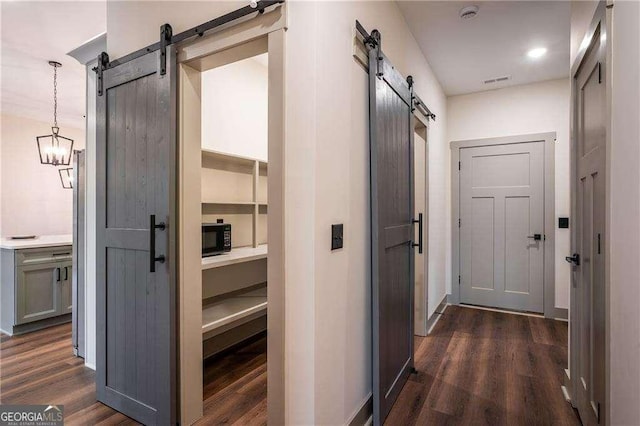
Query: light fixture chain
x=55, y=96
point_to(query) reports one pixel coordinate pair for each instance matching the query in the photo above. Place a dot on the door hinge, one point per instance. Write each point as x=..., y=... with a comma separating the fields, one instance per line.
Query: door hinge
x=599, y=244
x=459, y=165
x=459, y=223
x=459, y=280
x=598, y=413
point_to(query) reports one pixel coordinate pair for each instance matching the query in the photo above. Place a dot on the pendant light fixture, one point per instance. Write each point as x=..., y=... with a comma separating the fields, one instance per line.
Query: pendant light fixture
x=66, y=177
x=55, y=149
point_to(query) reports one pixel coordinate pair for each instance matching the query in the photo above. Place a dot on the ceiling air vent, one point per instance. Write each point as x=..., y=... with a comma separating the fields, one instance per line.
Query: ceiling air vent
x=497, y=79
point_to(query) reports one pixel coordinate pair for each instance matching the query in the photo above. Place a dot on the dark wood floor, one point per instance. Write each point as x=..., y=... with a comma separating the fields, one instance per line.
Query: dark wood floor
x=39, y=368
x=477, y=367
x=481, y=367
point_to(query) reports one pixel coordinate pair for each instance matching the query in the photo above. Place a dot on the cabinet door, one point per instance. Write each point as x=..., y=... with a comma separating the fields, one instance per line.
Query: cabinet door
x=66, y=295
x=37, y=292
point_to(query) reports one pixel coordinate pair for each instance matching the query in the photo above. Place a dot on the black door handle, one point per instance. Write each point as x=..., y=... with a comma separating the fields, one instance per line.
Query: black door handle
x=575, y=259
x=537, y=237
x=419, y=222
x=66, y=273
x=58, y=275
x=152, y=242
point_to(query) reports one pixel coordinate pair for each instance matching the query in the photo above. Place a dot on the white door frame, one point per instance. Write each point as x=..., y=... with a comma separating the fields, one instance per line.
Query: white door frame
x=422, y=323
x=265, y=33
x=550, y=310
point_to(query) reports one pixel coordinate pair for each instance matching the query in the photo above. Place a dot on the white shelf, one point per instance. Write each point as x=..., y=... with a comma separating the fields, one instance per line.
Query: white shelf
x=227, y=311
x=236, y=255
x=230, y=203
x=210, y=153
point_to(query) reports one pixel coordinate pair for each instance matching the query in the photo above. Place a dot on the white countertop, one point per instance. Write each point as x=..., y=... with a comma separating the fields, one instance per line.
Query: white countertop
x=38, y=242
x=236, y=255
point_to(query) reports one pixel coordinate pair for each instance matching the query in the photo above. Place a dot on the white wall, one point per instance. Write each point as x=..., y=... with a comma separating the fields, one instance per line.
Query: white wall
x=335, y=119
x=532, y=108
x=234, y=108
x=624, y=293
x=33, y=200
x=132, y=25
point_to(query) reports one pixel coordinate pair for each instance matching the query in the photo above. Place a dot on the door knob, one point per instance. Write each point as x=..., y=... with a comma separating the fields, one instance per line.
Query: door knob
x=575, y=259
x=536, y=237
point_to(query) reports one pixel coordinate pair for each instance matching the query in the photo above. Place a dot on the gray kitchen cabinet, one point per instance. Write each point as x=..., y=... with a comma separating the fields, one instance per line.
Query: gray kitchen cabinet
x=37, y=292
x=36, y=288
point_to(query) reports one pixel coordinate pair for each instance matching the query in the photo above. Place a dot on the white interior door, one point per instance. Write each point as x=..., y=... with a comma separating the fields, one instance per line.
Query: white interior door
x=588, y=340
x=502, y=226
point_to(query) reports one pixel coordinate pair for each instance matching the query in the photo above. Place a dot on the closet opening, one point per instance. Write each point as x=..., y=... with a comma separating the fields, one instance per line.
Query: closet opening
x=226, y=105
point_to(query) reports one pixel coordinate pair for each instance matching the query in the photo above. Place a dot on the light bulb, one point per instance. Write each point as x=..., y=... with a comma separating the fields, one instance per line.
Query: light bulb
x=537, y=52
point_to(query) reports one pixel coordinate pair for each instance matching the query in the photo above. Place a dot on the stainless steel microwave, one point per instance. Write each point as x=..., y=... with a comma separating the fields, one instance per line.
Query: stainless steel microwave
x=216, y=238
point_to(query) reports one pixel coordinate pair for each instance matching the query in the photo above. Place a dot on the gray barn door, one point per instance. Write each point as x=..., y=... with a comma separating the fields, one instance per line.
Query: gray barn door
x=501, y=212
x=392, y=263
x=136, y=126
x=589, y=260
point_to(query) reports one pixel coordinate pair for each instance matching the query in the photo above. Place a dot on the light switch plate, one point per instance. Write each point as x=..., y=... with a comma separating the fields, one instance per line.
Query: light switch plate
x=337, y=238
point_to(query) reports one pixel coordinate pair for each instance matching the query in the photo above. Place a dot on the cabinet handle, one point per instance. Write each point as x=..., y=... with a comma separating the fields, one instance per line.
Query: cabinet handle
x=66, y=273
x=58, y=275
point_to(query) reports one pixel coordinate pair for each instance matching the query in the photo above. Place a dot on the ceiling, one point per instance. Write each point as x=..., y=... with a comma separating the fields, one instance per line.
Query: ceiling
x=464, y=53
x=34, y=32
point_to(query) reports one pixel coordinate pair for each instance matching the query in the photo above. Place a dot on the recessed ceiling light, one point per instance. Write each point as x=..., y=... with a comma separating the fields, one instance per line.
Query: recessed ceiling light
x=537, y=52
x=469, y=12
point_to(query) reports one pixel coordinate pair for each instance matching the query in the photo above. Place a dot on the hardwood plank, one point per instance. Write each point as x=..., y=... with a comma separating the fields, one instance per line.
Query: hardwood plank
x=483, y=367
x=39, y=368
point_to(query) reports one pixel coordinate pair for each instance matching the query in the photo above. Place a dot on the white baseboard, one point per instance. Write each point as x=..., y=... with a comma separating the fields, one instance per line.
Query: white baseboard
x=90, y=365
x=363, y=416
x=437, y=314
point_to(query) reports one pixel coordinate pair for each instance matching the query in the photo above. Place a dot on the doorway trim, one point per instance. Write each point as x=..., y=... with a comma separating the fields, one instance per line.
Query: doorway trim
x=263, y=33
x=550, y=310
x=421, y=128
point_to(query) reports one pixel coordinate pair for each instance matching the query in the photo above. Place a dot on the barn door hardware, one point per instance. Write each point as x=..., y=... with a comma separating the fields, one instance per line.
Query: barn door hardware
x=103, y=62
x=377, y=37
x=373, y=43
x=152, y=242
x=166, y=32
x=419, y=222
x=422, y=107
x=256, y=8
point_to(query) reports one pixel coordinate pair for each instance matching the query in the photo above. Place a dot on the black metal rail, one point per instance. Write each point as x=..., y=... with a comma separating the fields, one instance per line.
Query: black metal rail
x=168, y=39
x=372, y=42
